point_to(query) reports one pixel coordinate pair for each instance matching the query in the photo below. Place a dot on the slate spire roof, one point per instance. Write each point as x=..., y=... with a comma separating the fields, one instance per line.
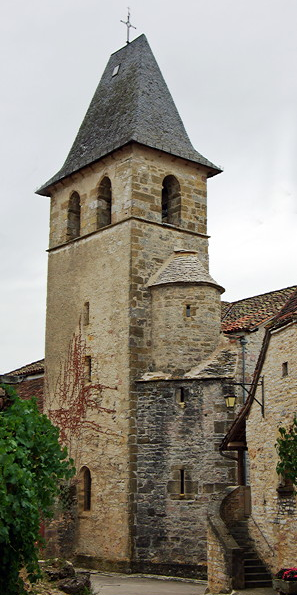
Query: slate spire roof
x=132, y=103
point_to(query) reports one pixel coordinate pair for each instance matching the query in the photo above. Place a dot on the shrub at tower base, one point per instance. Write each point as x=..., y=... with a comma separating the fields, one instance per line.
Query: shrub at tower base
x=286, y=446
x=32, y=465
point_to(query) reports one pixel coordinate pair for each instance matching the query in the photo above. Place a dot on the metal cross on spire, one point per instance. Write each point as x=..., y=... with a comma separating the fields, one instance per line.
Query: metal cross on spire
x=128, y=24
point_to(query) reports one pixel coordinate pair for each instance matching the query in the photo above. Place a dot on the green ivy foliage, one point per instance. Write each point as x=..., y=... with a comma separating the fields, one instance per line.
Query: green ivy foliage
x=32, y=464
x=286, y=446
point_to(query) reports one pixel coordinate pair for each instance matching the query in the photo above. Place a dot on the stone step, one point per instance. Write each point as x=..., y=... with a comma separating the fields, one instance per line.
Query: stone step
x=255, y=572
x=253, y=562
x=249, y=553
x=257, y=584
x=258, y=575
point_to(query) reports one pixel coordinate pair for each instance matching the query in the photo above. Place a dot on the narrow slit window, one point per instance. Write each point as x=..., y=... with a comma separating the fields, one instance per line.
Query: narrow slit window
x=188, y=310
x=285, y=369
x=86, y=317
x=182, y=481
x=88, y=368
x=104, y=203
x=73, y=217
x=87, y=489
x=171, y=201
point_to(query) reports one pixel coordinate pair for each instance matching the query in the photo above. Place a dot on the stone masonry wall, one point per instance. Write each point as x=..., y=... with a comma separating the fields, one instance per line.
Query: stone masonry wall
x=177, y=451
x=149, y=169
x=136, y=174
x=94, y=270
x=219, y=579
x=180, y=342
x=273, y=524
x=236, y=505
x=151, y=245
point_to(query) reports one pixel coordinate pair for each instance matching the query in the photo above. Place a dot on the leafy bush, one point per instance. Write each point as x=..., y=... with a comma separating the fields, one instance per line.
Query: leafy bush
x=286, y=446
x=32, y=463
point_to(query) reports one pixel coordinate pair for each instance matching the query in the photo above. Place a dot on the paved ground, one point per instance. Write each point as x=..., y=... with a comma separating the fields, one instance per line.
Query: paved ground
x=121, y=584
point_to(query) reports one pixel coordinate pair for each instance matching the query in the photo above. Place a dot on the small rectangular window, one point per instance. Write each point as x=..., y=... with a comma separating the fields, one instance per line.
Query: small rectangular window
x=88, y=368
x=180, y=396
x=285, y=369
x=188, y=311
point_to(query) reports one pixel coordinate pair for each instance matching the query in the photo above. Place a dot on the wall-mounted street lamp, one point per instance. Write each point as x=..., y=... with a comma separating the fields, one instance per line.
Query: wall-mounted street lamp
x=230, y=401
x=230, y=397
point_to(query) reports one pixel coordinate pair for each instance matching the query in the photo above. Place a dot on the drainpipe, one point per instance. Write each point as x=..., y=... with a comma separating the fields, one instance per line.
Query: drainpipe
x=242, y=455
x=243, y=343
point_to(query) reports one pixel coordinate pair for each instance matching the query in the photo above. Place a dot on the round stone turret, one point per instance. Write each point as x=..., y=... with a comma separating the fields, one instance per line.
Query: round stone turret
x=186, y=313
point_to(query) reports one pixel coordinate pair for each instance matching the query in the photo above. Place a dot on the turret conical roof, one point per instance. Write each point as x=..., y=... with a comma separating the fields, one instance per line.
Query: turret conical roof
x=132, y=103
x=183, y=266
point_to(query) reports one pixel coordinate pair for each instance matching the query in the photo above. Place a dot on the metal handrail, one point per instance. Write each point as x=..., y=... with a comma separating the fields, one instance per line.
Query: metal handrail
x=260, y=531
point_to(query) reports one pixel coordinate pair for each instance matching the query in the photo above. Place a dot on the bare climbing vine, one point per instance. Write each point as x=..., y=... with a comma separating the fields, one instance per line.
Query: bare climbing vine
x=75, y=398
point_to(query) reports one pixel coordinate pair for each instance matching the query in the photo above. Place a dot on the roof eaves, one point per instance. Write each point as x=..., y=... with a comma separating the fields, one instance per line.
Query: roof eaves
x=44, y=190
x=36, y=367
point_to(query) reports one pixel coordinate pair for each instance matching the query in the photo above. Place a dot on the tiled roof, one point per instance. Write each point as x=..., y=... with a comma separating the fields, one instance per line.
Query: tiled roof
x=183, y=267
x=132, y=105
x=33, y=368
x=249, y=313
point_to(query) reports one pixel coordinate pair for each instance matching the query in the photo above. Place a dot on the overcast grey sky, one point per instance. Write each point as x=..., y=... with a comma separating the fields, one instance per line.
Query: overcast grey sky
x=231, y=68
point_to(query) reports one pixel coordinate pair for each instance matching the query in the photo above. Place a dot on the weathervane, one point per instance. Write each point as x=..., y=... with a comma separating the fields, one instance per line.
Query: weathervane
x=128, y=24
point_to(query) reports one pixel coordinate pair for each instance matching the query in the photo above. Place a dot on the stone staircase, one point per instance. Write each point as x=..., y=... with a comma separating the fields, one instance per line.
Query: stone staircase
x=255, y=572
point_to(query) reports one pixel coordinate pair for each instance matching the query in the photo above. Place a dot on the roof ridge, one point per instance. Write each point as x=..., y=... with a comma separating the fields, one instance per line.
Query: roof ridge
x=262, y=294
x=37, y=362
x=286, y=312
x=249, y=313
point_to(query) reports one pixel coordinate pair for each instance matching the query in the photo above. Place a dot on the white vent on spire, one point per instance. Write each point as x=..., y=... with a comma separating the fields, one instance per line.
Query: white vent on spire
x=116, y=70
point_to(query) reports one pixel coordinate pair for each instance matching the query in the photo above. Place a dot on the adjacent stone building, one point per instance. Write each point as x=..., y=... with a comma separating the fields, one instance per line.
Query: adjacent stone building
x=271, y=404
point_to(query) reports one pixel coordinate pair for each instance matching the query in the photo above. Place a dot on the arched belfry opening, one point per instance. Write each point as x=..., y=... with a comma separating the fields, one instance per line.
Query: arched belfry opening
x=73, y=217
x=171, y=201
x=85, y=489
x=104, y=203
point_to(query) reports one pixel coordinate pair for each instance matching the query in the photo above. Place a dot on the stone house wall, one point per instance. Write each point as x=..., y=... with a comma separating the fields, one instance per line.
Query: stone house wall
x=252, y=349
x=273, y=523
x=32, y=387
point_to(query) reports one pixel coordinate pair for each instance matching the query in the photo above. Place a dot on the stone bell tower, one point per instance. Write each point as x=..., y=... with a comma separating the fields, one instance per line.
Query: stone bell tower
x=129, y=201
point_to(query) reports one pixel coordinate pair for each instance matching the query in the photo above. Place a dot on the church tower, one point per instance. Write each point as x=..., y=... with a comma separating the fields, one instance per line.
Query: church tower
x=130, y=303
